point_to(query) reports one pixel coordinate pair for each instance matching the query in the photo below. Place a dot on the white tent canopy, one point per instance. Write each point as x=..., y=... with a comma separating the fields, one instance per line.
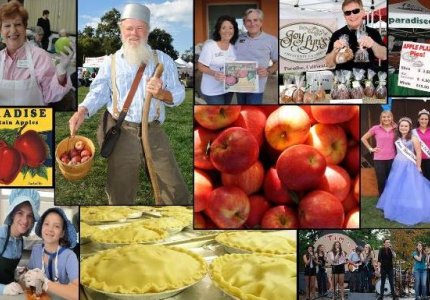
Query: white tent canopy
x=409, y=14
x=292, y=9
x=181, y=63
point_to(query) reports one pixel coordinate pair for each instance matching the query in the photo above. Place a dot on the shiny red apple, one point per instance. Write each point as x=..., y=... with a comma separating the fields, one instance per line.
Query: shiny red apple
x=258, y=206
x=216, y=116
x=228, y=207
x=234, y=150
x=300, y=167
x=320, y=209
x=280, y=217
x=250, y=180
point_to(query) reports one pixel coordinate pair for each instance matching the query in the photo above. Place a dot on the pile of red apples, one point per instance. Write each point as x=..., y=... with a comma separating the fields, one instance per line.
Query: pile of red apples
x=79, y=154
x=276, y=166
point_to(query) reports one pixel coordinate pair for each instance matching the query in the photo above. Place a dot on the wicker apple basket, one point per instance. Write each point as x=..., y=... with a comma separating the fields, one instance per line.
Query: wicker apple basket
x=74, y=172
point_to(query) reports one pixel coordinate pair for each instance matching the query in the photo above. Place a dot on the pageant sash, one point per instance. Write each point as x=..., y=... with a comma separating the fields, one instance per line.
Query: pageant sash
x=406, y=152
x=424, y=147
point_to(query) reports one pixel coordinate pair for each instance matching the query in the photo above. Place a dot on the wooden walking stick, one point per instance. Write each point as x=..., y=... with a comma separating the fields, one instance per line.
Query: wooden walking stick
x=145, y=141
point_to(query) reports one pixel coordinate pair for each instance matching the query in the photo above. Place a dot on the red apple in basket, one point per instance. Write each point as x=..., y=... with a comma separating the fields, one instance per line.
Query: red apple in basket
x=258, y=206
x=202, y=141
x=280, y=217
x=234, y=150
x=335, y=181
x=330, y=141
x=250, y=180
x=228, y=207
x=352, y=220
x=300, y=167
x=274, y=190
x=216, y=116
x=288, y=125
x=253, y=119
x=202, y=189
x=320, y=209
x=333, y=114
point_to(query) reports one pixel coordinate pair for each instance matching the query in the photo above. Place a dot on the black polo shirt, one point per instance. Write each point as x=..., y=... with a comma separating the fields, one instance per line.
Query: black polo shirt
x=353, y=44
x=385, y=257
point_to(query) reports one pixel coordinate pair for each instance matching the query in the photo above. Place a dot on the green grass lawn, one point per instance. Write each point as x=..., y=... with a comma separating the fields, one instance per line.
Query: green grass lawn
x=90, y=190
x=371, y=217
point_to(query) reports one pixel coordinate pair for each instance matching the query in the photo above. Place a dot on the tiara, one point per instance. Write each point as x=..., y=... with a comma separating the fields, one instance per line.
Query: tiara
x=405, y=119
x=423, y=111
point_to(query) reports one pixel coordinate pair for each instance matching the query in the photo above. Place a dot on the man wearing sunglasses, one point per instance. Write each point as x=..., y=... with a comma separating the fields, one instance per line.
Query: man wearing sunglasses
x=353, y=12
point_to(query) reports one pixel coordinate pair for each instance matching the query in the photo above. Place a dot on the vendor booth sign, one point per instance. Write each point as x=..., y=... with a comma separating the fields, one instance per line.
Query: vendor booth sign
x=93, y=62
x=414, y=71
x=409, y=14
x=303, y=44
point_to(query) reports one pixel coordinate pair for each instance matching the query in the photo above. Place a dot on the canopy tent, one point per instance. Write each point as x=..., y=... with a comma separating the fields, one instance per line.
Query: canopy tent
x=377, y=15
x=409, y=14
x=180, y=63
x=294, y=9
x=409, y=19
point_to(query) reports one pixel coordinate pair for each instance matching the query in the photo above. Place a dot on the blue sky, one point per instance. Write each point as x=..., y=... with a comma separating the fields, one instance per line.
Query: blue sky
x=174, y=16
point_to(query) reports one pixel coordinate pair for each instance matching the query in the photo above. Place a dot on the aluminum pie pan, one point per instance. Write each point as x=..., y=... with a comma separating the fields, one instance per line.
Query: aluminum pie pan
x=147, y=296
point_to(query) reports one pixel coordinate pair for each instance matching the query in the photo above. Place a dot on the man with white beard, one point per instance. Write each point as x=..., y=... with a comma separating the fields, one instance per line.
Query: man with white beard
x=110, y=89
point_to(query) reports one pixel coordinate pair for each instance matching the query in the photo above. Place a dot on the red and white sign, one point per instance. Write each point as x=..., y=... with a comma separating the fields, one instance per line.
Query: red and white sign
x=414, y=70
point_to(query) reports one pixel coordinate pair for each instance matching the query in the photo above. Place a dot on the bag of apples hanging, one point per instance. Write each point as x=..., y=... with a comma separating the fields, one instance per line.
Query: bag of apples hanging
x=75, y=156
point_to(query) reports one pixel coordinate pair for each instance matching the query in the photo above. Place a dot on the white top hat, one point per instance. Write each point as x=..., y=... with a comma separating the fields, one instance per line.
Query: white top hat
x=136, y=11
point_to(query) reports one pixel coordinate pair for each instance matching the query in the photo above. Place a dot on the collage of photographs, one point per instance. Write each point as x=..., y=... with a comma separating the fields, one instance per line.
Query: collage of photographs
x=214, y=149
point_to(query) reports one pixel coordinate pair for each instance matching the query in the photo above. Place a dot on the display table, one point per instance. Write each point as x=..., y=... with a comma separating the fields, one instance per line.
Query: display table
x=395, y=90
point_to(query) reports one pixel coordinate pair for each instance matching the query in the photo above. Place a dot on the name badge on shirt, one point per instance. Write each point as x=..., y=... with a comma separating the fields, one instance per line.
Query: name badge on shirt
x=22, y=63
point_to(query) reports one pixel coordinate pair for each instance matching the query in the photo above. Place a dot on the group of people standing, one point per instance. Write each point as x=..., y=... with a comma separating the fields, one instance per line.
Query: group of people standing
x=326, y=270
x=228, y=45
x=402, y=164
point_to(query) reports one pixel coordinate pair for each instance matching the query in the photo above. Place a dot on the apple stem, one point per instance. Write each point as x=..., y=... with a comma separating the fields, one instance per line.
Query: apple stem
x=22, y=128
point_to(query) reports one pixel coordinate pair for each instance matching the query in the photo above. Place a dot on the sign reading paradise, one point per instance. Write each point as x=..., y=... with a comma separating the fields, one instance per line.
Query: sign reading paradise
x=414, y=70
x=409, y=14
x=303, y=44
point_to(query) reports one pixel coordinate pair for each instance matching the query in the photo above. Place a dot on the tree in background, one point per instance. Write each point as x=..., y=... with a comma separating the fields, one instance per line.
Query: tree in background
x=188, y=55
x=404, y=242
x=161, y=40
x=106, y=39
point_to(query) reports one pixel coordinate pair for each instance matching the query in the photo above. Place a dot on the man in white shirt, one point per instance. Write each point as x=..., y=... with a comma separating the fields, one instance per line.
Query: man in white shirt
x=125, y=161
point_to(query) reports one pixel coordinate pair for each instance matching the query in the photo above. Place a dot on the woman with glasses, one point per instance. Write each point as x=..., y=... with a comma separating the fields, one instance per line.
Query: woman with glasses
x=354, y=13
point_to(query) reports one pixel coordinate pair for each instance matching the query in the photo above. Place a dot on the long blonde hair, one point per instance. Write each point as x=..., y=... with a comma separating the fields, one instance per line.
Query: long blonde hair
x=387, y=112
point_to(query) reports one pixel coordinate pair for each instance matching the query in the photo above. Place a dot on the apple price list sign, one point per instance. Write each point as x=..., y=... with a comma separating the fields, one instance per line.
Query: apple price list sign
x=414, y=71
x=26, y=141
